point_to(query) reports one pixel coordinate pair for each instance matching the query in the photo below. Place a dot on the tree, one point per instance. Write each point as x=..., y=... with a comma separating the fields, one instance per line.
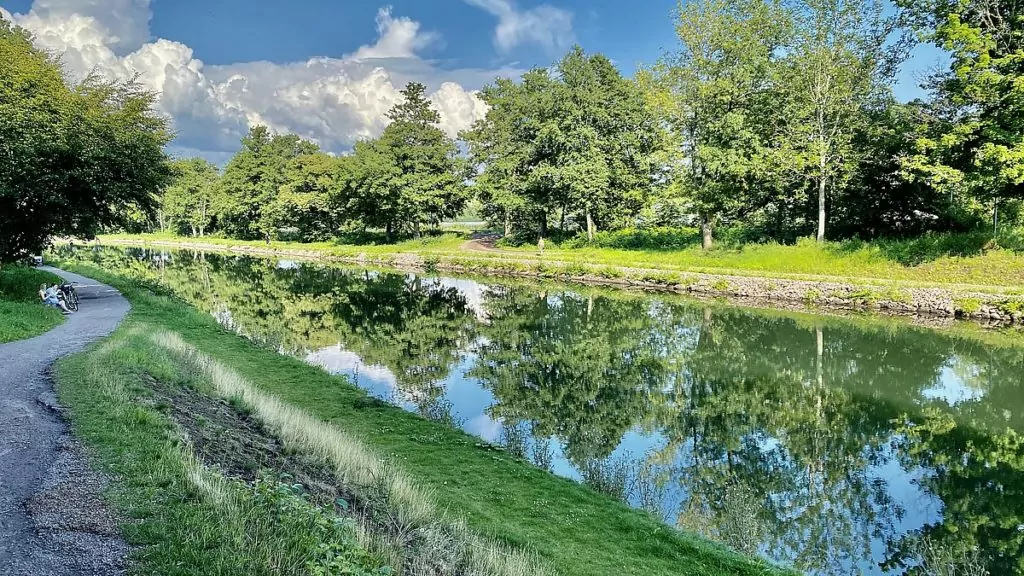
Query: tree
x=253, y=179
x=842, y=55
x=410, y=176
x=975, y=145
x=581, y=141
x=714, y=94
x=73, y=159
x=514, y=180
x=608, y=137
x=308, y=200
x=188, y=202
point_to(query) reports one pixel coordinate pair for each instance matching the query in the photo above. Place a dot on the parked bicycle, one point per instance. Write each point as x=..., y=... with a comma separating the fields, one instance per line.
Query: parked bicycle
x=69, y=295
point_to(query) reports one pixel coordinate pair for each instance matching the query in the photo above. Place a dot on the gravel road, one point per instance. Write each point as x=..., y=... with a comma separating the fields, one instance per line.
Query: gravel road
x=52, y=519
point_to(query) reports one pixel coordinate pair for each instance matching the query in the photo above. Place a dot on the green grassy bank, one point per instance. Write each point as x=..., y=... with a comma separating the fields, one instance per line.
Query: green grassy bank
x=974, y=260
x=502, y=502
x=22, y=315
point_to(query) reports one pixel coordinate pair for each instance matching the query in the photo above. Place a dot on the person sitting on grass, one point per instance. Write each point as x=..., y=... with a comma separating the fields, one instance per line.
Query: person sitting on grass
x=51, y=297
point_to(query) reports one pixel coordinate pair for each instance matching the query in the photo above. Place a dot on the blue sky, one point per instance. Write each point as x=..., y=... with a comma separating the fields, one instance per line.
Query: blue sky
x=328, y=69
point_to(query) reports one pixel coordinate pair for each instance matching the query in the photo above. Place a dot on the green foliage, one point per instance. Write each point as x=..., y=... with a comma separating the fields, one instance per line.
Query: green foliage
x=720, y=285
x=578, y=142
x=716, y=93
x=639, y=239
x=188, y=204
x=841, y=57
x=967, y=305
x=75, y=158
x=973, y=148
x=412, y=175
x=252, y=182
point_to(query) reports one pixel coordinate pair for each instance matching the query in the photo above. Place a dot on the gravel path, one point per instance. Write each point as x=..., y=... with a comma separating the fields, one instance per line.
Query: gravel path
x=52, y=519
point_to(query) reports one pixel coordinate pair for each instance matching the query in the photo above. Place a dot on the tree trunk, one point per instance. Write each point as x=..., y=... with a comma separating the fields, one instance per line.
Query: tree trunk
x=193, y=226
x=543, y=226
x=995, y=218
x=416, y=227
x=508, y=224
x=388, y=232
x=561, y=225
x=706, y=232
x=591, y=227
x=822, y=187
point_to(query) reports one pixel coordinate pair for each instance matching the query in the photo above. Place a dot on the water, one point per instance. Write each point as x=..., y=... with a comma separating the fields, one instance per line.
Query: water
x=836, y=446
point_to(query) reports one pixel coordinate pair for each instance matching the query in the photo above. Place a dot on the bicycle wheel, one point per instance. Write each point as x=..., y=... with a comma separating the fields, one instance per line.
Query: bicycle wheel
x=70, y=298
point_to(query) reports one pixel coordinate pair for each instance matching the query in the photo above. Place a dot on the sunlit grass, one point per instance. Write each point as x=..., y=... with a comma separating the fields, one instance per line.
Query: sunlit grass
x=920, y=261
x=187, y=518
x=411, y=512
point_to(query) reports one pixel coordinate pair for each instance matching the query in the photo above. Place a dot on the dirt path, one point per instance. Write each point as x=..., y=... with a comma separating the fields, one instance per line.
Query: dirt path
x=482, y=244
x=52, y=519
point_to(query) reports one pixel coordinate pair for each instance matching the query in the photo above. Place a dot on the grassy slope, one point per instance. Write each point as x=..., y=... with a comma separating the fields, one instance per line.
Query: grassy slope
x=1000, y=269
x=182, y=526
x=572, y=528
x=21, y=314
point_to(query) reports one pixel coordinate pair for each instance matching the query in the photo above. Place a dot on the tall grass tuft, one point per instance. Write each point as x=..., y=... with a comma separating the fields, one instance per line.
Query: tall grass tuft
x=405, y=519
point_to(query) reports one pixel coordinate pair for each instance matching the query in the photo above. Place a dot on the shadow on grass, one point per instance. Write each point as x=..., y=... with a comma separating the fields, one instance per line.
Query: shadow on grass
x=931, y=247
x=379, y=237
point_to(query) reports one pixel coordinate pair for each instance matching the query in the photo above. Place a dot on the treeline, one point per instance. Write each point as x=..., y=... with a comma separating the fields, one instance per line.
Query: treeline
x=281, y=186
x=774, y=119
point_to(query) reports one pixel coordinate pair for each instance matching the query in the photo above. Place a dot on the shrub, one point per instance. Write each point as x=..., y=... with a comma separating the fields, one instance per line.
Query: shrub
x=639, y=239
x=576, y=269
x=611, y=272
x=967, y=305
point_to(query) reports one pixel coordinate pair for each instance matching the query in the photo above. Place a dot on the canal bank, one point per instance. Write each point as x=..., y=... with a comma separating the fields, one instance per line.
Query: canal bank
x=567, y=527
x=990, y=305
x=759, y=429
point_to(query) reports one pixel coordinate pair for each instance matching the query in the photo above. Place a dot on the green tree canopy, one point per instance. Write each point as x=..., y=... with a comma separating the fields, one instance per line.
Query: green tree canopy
x=410, y=176
x=717, y=94
x=73, y=159
x=974, y=149
x=253, y=179
x=187, y=204
x=580, y=140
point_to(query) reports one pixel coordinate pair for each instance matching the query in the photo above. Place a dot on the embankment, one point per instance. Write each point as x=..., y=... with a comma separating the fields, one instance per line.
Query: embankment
x=989, y=305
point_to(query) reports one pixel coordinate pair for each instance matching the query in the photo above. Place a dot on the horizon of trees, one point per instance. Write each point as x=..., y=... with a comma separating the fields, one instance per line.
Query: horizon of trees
x=775, y=117
x=772, y=117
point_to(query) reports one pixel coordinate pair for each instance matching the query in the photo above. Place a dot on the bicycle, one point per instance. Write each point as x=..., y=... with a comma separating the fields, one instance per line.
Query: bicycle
x=70, y=295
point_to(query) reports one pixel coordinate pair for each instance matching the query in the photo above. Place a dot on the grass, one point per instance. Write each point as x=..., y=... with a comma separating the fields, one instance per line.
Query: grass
x=186, y=517
x=974, y=260
x=22, y=315
x=498, y=498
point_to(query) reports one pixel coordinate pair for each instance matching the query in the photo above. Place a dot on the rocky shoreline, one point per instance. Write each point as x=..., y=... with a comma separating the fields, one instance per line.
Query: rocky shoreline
x=990, y=308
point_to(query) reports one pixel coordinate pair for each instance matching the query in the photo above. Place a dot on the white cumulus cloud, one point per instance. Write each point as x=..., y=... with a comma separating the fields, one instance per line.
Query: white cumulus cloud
x=331, y=100
x=544, y=25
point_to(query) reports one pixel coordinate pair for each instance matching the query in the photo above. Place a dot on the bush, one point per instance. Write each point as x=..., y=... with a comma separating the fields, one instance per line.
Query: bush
x=639, y=239
x=932, y=246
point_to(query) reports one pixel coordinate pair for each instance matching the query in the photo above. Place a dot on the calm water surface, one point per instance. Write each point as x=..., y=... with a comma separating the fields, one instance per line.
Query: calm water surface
x=836, y=446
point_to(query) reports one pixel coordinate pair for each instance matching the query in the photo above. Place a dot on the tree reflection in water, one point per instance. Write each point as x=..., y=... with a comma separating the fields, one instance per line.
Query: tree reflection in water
x=838, y=446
